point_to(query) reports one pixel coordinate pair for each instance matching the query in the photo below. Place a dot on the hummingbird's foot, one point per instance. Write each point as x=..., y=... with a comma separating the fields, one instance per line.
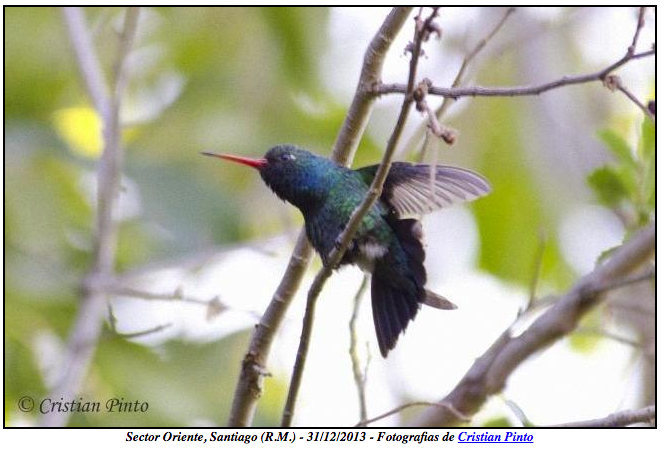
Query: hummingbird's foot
x=327, y=262
x=349, y=248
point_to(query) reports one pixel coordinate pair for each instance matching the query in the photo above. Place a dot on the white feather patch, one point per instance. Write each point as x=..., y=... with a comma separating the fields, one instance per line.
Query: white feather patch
x=372, y=250
x=369, y=253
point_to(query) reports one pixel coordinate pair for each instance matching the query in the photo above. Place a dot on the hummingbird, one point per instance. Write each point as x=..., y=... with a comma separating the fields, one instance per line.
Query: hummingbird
x=388, y=242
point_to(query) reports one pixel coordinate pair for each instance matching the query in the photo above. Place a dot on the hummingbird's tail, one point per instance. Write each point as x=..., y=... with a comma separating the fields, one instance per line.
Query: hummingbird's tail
x=437, y=301
x=392, y=307
x=398, y=285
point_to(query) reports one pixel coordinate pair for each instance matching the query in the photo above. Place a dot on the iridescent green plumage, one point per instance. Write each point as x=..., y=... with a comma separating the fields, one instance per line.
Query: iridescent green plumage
x=387, y=242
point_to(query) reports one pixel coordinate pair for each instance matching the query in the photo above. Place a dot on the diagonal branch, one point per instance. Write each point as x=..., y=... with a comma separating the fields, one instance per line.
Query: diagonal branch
x=489, y=373
x=638, y=29
x=448, y=101
x=88, y=63
x=250, y=383
x=438, y=405
x=87, y=328
x=370, y=77
x=635, y=100
x=474, y=52
x=422, y=30
x=618, y=419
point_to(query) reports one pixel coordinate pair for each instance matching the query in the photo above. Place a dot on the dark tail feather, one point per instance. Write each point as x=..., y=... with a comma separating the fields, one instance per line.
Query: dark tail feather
x=409, y=233
x=398, y=290
x=437, y=301
x=392, y=310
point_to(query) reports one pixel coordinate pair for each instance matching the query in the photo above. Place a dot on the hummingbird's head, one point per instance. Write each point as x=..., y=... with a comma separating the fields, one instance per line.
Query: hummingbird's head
x=294, y=174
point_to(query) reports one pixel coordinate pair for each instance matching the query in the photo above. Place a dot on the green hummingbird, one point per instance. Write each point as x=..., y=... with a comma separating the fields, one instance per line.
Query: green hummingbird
x=388, y=242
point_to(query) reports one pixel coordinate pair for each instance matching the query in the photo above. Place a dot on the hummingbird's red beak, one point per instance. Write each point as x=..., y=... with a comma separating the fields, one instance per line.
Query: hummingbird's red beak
x=255, y=163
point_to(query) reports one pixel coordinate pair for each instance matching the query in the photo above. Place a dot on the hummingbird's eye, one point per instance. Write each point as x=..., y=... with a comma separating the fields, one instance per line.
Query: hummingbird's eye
x=286, y=157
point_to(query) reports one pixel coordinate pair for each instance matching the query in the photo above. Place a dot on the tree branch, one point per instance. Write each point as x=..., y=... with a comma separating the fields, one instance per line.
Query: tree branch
x=249, y=386
x=534, y=90
x=638, y=29
x=635, y=100
x=489, y=373
x=422, y=30
x=370, y=76
x=253, y=370
x=447, y=101
x=436, y=405
x=88, y=63
x=445, y=133
x=359, y=376
x=87, y=328
x=618, y=419
x=214, y=306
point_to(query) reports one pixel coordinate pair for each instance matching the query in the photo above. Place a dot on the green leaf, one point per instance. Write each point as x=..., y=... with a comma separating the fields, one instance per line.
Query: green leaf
x=647, y=146
x=605, y=254
x=618, y=146
x=500, y=421
x=296, y=40
x=648, y=154
x=608, y=185
x=513, y=216
x=585, y=340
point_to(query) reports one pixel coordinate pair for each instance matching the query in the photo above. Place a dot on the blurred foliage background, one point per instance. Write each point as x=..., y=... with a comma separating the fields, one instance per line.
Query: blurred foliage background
x=242, y=79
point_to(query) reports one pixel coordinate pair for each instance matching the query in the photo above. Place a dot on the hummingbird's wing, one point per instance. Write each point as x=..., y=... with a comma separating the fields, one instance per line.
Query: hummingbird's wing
x=416, y=189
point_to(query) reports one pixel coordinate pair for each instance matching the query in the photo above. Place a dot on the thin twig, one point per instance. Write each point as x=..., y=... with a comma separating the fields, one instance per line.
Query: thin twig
x=609, y=335
x=142, y=333
x=359, y=376
x=250, y=383
x=445, y=133
x=638, y=29
x=518, y=412
x=434, y=123
x=474, y=91
x=614, y=82
x=423, y=28
x=448, y=101
x=436, y=405
x=454, y=92
x=636, y=101
x=537, y=268
x=177, y=295
x=113, y=322
x=618, y=419
x=476, y=50
x=87, y=327
x=489, y=373
x=214, y=305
